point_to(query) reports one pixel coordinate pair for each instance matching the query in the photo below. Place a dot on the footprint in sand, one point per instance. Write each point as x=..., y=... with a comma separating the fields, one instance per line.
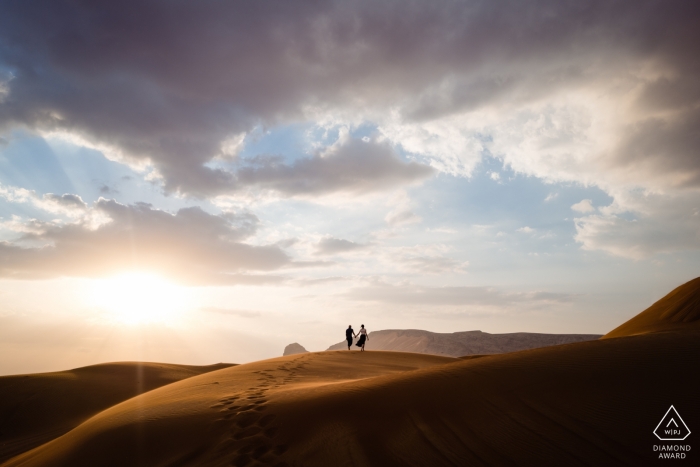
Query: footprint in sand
x=254, y=447
x=247, y=432
x=260, y=451
x=264, y=421
x=241, y=460
x=280, y=449
x=252, y=431
x=244, y=420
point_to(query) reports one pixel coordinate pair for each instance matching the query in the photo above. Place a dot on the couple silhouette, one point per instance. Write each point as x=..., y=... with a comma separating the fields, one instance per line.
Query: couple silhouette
x=349, y=334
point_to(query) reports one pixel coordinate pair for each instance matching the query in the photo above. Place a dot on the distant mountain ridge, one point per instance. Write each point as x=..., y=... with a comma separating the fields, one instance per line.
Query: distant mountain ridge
x=459, y=344
x=293, y=349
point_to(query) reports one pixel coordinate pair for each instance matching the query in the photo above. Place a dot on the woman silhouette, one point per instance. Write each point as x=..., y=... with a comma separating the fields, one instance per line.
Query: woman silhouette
x=363, y=337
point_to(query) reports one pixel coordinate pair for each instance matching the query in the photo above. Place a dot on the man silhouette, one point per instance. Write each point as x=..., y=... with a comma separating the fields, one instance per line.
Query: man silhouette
x=349, y=334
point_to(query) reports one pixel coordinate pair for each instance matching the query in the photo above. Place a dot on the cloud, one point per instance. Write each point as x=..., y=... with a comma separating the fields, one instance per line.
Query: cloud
x=432, y=264
x=231, y=311
x=428, y=258
x=287, y=242
x=563, y=91
x=19, y=225
x=106, y=190
x=353, y=166
x=525, y=229
x=664, y=147
x=401, y=213
x=559, y=90
x=66, y=201
x=191, y=245
x=655, y=224
x=583, y=206
x=332, y=246
x=67, y=204
x=306, y=282
x=402, y=217
x=416, y=295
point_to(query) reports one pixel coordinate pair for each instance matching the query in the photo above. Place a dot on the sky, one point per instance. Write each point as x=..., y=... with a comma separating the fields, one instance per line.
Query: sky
x=198, y=182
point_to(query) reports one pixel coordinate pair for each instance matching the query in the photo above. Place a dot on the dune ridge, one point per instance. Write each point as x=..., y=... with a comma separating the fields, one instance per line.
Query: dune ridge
x=197, y=421
x=36, y=408
x=537, y=407
x=459, y=344
x=595, y=402
x=680, y=309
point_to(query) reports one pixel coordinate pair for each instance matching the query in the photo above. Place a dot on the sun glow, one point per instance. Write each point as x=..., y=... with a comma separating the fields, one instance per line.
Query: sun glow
x=136, y=298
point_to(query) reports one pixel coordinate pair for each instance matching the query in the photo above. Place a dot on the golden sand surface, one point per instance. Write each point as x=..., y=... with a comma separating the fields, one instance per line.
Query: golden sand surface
x=586, y=403
x=679, y=310
x=37, y=408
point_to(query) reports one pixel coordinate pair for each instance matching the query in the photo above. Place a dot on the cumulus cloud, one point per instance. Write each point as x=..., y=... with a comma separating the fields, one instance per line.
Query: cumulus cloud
x=592, y=92
x=664, y=146
x=354, y=165
x=537, y=84
x=190, y=245
x=67, y=204
x=654, y=224
x=583, y=206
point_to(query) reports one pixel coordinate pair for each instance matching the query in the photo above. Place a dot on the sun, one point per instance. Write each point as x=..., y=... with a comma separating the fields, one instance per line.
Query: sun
x=138, y=297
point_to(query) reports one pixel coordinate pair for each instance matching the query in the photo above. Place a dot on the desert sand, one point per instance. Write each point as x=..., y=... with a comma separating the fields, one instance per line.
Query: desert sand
x=460, y=344
x=587, y=403
x=39, y=407
x=679, y=310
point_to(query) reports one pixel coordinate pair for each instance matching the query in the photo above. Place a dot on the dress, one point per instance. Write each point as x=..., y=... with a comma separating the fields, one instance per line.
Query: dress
x=363, y=337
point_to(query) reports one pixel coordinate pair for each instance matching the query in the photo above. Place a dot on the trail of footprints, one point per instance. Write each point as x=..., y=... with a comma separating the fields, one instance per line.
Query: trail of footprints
x=252, y=429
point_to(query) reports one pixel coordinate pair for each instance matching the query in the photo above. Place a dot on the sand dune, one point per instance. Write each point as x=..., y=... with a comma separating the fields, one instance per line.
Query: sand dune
x=590, y=403
x=587, y=403
x=37, y=408
x=458, y=344
x=679, y=310
x=200, y=420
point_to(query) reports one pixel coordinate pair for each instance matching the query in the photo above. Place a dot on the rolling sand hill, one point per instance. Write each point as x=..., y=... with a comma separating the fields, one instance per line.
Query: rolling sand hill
x=458, y=344
x=679, y=310
x=37, y=408
x=587, y=403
